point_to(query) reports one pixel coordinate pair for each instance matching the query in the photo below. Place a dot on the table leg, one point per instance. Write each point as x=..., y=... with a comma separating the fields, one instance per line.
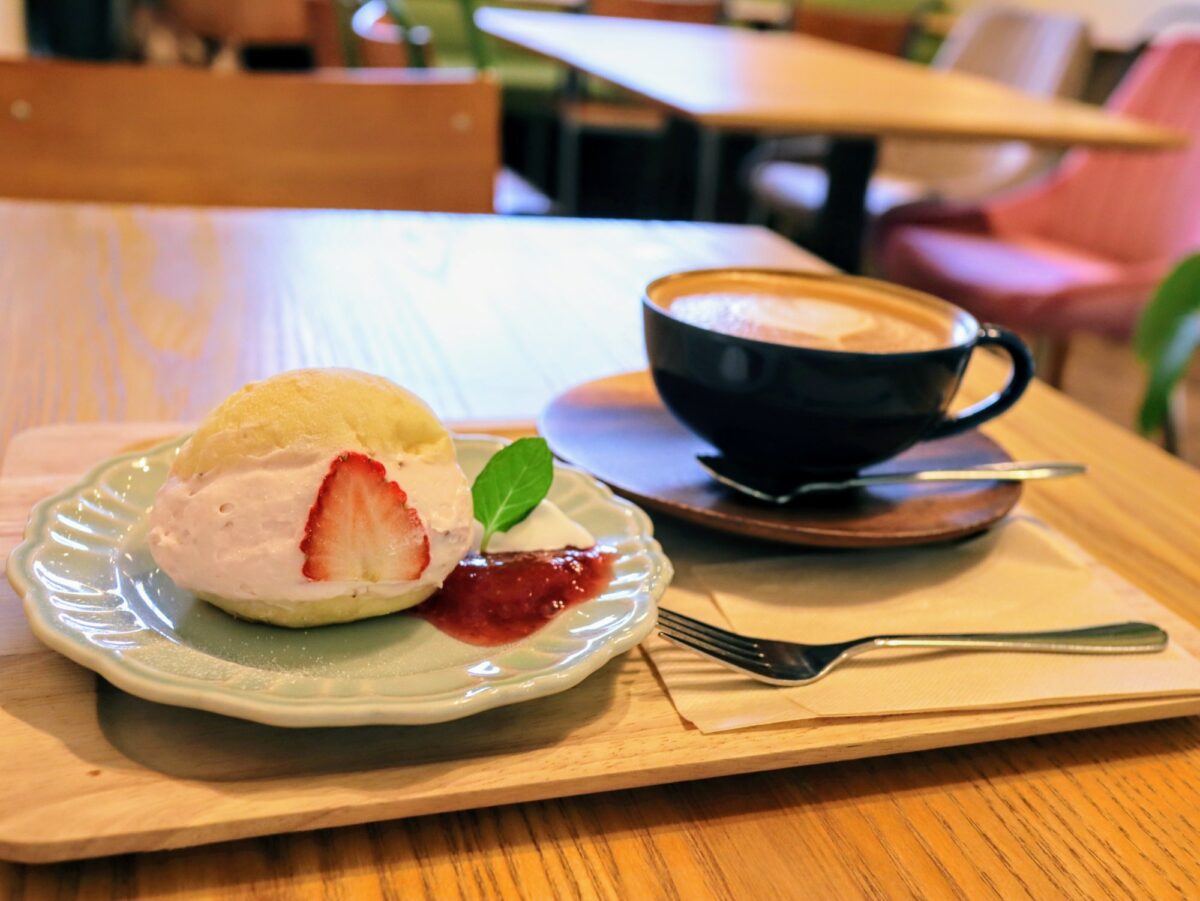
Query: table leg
x=708, y=166
x=675, y=192
x=570, y=145
x=840, y=224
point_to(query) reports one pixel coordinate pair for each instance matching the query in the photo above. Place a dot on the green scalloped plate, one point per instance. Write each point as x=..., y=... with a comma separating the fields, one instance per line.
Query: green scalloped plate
x=93, y=593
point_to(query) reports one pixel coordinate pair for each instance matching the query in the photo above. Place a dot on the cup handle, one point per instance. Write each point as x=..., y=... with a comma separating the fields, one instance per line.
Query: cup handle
x=989, y=407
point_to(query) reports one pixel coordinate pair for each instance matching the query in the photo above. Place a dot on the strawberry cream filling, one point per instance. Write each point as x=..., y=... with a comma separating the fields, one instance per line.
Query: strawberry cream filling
x=285, y=526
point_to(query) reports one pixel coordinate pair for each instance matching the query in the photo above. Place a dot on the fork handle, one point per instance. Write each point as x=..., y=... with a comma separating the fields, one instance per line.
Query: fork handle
x=1115, y=638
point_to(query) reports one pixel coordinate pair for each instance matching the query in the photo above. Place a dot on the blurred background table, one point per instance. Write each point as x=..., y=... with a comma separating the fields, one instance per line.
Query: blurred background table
x=131, y=313
x=729, y=79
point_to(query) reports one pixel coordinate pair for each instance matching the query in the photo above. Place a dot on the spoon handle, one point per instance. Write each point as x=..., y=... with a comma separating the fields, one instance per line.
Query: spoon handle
x=990, y=472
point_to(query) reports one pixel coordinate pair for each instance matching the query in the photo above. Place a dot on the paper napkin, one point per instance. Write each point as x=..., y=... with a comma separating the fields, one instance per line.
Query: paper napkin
x=1021, y=576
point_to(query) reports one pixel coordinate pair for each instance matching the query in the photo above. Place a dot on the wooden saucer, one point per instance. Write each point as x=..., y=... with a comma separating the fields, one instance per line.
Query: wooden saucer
x=617, y=429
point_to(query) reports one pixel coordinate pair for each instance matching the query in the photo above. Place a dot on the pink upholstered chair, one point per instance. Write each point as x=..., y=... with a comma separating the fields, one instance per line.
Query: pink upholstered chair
x=1083, y=249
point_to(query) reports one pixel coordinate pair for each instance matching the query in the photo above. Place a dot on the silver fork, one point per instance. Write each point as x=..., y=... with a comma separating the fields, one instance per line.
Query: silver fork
x=789, y=663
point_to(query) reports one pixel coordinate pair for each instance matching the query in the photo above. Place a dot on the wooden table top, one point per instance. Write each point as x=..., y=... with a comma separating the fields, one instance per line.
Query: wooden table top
x=732, y=78
x=129, y=313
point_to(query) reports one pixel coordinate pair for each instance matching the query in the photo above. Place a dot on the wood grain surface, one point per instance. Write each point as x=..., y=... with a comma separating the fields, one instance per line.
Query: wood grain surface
x=741, y=79
x=122, y=312
x=139, y=776
x=126, y=313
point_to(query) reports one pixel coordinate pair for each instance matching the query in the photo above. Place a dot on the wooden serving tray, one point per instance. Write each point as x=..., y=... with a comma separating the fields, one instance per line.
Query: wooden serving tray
x=89, y=770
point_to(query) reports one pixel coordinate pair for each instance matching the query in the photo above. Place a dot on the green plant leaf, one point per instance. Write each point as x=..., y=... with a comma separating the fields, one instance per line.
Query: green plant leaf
x=512, y=483
x=1167, y=335
x=1168, y=370
x=1176, y=298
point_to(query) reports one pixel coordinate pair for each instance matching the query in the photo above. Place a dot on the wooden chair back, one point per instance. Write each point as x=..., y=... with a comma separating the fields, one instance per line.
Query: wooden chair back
x=696, y=12
x=888, y=33
x=380, y=139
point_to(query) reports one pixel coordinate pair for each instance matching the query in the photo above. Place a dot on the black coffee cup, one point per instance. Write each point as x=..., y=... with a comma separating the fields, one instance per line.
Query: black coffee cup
x=793, y=409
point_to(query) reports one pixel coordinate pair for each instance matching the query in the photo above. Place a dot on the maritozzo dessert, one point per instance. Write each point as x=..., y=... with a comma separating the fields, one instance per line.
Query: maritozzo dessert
x=327, y=495
x=316, y=496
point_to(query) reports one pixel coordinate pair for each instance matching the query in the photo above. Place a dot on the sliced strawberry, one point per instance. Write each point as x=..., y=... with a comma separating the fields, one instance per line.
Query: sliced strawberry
x=360, y=527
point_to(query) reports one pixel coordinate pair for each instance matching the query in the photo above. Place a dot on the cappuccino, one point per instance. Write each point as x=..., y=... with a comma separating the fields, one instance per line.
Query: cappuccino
x=813, y=313
x=800, y=374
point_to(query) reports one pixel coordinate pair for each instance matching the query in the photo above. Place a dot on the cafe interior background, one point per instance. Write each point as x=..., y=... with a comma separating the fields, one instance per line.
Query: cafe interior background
x=1078, y=231
x=573, y=145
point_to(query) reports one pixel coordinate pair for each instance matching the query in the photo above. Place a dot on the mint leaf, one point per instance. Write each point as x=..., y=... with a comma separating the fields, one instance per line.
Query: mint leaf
x=512, y=483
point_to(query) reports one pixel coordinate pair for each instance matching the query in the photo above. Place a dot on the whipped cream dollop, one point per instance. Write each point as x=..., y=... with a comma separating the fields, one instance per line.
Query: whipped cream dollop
x=546, y=528
x=235, y=532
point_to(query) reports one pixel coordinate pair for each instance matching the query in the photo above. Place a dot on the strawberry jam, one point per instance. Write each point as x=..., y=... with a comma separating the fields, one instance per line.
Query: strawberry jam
x=492, y=599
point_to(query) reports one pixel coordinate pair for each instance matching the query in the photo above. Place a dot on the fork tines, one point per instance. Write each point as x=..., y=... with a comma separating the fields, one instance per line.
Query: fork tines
x=712, y=641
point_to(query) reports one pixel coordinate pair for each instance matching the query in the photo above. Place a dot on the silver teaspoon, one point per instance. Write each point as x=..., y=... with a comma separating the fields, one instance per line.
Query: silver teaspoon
x=738, y=478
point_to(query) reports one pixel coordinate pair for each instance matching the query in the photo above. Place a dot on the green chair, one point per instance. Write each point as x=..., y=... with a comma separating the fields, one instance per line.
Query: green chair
x=353, y=34
x=528, y=82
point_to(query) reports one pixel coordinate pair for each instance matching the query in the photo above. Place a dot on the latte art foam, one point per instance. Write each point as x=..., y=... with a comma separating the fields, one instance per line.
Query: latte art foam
x=856, y=321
